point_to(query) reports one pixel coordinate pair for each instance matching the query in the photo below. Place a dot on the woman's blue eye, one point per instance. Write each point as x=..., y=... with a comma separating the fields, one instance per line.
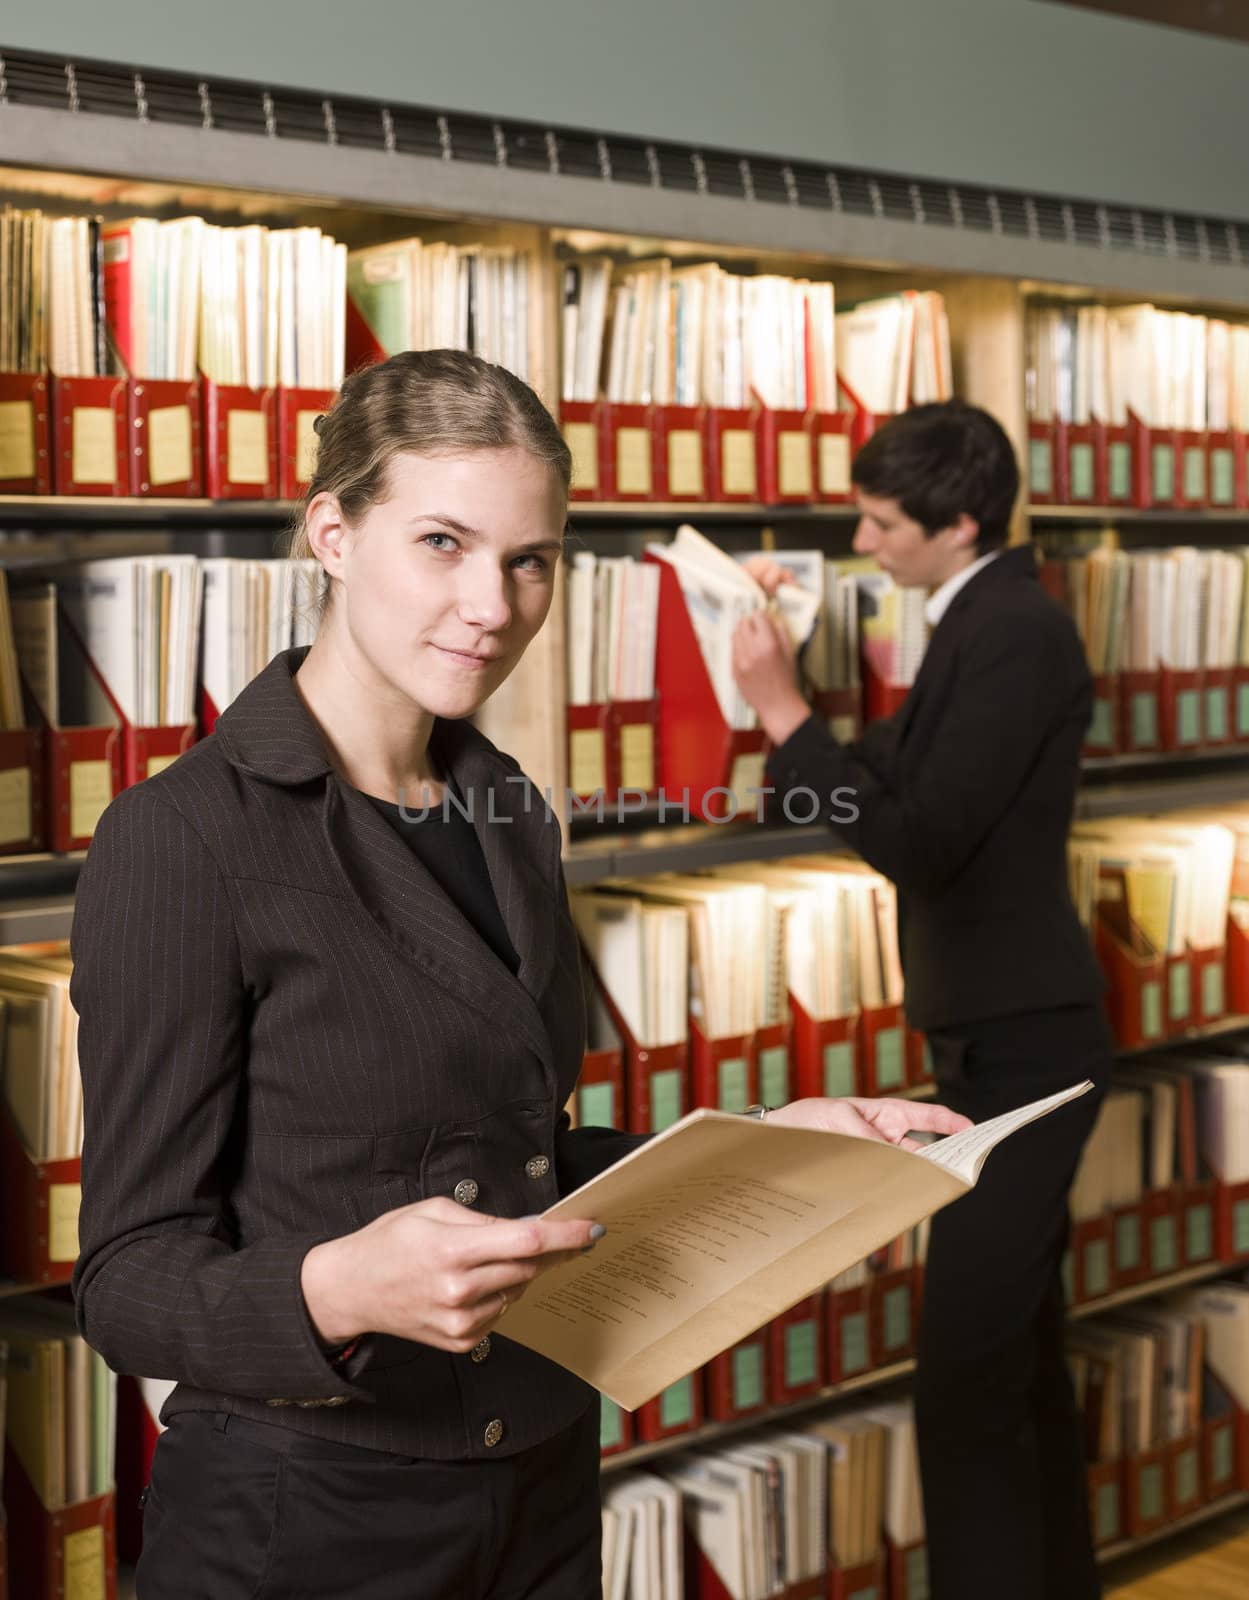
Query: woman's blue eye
x=429, y=536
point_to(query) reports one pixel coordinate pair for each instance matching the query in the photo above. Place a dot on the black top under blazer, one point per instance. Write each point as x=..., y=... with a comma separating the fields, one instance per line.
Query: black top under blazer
x=965, y=799
x=287, y=1029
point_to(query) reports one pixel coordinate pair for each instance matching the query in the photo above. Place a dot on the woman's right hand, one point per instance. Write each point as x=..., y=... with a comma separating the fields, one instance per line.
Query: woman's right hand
x=434, y=1272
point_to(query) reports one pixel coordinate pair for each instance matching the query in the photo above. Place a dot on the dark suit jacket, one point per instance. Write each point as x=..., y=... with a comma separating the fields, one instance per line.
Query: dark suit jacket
x=287, y=1028
x=965, y=800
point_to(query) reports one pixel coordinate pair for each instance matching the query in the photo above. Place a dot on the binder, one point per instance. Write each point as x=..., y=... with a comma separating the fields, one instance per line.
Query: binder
x=39, y=1214
x=297, y=411
x=1046, y=464
x=1183, y=1459
x=1209, y=969
x=825, y=1053
x=581, y=423
x=842, y=710
x=22, y=801
x=773, y=1064
x=703, y=1582
x=680, y=468
x=1092, y=1258
x=1240, y=704
x=796, y=1346
x=679, y=1409
x=1225, y=471
x=1224, y=1455
x=627, y=451
x=82, y=774
x=656, y=1078
x=1155, y=465
x=893, y=1312
x=615, y=1428
x=830, y=440
x=724, y=1072
x=1195, y=1205
x=1140, y=718
x=732, y=454
x=89, y=433
x=1219, y=724
x=1237, y=968
x=786, y=464
x=1231, y=1221
x=25, y=435
x=1146, y=1498
x=63, y=1553
x=1135, y=987
x=1192, y=460
x=1121, y=469
x=587, y=751
x=698, y=751
x=908, y=1570
x=1181, y=1013
x=1084, y=458
x=847, y=1333
x=1131, y=1264
x=858, y=1583
x=166, y=438
x=1160, y=1218
x=633, y=746
x=738, y=1380
x=240, y=442
x=600, y=1090
x=1105, y=1481
x=882, y=1051
x=1102, y=735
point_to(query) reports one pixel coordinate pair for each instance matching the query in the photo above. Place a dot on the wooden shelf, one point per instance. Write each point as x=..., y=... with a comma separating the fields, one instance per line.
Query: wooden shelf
x=1160, y=515
x=1194, y=1519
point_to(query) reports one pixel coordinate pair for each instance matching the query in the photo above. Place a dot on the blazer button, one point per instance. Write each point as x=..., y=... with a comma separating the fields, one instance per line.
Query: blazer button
x=537, y=1167
x=493, y=1433
x=466, y=1191
x=479, y=1352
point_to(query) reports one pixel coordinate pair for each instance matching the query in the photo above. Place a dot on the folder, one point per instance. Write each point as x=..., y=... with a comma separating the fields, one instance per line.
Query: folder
x=582, y=424
x=1102, y=736
x=1231, y=1221
x=882, y=1050
x=841, y=710
x=825, y=1053
x=90, y=435
x=22, y=800
x=1160, y=1218
x=240, y=442
x=615, y=1432
x=681, y=467
x=627, y=451
x=166, y=438
x=1105, y=1488
x=918, y=1059
x=1146, y=1492
x=893, y=1311
x=39, y=1214
x=1135, y=988
x=25, y=434
x=657, y=1087
x=62, y=1553
x=1140, y=720
x=1192, y=457
x=796, y=1351
x=1196, y=1203
x=1226, y=475
x=1181, y=710
x=1155, y=464
x=1219, y=711
x=1121, y=469
x=1084, y=455
x=866, y=1582
x=848, y=1333
x=600, y=1090
x=723, y=1072
x=588, y=772
x=1046, y=464
x=908, y=1570
x=830, y=439
x=738, y=1380
x=733, y=454
x=297, y=414
x=1092, y=1259
x=773, y=1064
x=633, y=746
x=786, y=465
x=677, y=1409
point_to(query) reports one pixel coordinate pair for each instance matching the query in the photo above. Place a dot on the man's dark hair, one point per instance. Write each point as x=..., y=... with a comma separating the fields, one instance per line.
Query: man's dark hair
x=938, y=461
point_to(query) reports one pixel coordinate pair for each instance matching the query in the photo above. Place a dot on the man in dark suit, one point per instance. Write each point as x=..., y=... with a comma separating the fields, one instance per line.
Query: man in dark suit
x=964, y=799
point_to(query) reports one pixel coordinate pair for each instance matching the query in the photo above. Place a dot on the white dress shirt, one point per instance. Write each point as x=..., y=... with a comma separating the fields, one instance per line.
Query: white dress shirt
x=938, y=602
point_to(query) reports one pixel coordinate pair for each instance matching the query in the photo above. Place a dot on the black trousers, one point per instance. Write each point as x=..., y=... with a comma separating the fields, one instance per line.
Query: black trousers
x=999, y=1444
x=241, y=1510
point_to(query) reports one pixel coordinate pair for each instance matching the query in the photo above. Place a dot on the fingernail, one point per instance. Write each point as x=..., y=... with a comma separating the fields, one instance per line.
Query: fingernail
x=597, y=1231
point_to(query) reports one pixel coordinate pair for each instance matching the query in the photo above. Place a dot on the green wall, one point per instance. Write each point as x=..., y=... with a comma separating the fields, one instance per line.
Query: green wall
x=1013, y=92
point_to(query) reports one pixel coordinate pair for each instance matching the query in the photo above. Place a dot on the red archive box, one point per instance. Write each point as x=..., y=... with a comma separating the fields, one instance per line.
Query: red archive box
x=1231, y=1221
x=858, y=1583
x=786, y=468
x=703, y=1581
x=1218, y=688
x=1226, y=470
x=1105, y=1480
x=908, y=1570
x=1145, y=1496
x=587, y=750
x=82, y=774
x=1224, y=1455
x=632, y=743
x=1140, y=721
x=1120, y=465
x=881, y=698
x=62, y=1553
x=626, y=452
x=882, y=1051
x=737, y=1379
x=600, y=1090
x=893, y=1312
x=147, y=751
x=298, y=410
x=1131, y=1263
x=1092, y=1255
x=848, y=1333
x=25, y=439
x=1084, y=458
x=1134, y=991
x=1240, y=704
x=89, y=436
x=842, y=711
x=1183, y=1458
x=1160, y=1221
x=723, y=1073
x=679, y=1409
x=1102, y=735
x=680, y=468
x=21, y=790
x=918, y=1059
x=1209, y=984
x=39, y=1231
x=825, y=1053
x=138, y=1429
x=1195, y=1204
x=796, y=1354
x=1155, y=464
x=166, y=438
x=700, y=756
x=581, y=423
x=830, y=440
x=732, y=454
x=1180, y=1009
x=1237, y=967
x=1181, y=709
x=1046, y=464
x=772, y=1063
x=656, y=1078
x=1192, y=460
x=240, y=442
x=615, y=1428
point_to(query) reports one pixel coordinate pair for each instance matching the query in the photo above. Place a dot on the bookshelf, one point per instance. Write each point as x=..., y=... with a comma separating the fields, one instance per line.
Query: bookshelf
x=404, y=172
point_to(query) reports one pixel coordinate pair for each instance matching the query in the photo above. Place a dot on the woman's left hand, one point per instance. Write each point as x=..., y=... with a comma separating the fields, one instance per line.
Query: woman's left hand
x=888, y=1121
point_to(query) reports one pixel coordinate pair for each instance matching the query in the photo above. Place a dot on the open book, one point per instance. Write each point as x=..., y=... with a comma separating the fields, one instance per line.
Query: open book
x=720, y=1223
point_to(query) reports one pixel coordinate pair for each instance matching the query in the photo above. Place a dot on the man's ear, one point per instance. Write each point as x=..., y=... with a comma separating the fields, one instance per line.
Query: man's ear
x=966, y=531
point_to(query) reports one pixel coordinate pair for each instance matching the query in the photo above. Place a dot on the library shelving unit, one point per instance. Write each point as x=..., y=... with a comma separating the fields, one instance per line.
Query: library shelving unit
x=113, y=140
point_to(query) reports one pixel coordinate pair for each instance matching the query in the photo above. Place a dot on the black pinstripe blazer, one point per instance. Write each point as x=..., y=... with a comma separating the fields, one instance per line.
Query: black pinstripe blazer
x=287, y=1028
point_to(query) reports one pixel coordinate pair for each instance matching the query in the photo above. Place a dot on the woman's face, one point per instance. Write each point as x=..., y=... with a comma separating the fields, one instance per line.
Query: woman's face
x=443, y=584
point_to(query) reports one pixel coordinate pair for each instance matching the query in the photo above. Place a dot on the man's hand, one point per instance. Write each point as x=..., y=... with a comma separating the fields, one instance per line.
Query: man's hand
x=766, y=671
x=888, y=1121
